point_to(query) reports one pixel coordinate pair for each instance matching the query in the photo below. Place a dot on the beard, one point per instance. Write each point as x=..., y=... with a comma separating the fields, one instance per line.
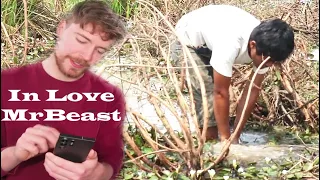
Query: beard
x=71, y=72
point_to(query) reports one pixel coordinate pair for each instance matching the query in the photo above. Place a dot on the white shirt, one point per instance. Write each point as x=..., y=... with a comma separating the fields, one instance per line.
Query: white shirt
x=225, y=30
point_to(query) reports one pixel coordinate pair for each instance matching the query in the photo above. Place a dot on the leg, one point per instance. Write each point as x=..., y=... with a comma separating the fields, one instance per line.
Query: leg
x=207, y=76
x=212, y=133
x=201, y=59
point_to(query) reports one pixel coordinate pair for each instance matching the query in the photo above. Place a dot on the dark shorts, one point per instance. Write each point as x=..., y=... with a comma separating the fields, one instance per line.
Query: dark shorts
x=202, y=57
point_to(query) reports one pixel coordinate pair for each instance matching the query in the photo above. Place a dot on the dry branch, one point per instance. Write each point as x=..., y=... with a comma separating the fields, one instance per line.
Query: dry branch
x=136, y=162
x=153, y=145
x=297, y=98
x=25, y=8
x=136, y=149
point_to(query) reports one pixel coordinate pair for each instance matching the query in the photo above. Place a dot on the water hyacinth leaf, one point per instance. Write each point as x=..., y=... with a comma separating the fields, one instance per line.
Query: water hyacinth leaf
x=207, y=147
x=226, y=169
x=316, y=161
x=289, y=176
x=297, y=169
x=308, y=166
x=299, y=175
x=266, y=169
x=261, y=176
x=285, y=164
x=150, y=174
x=251, y=168
x=153, y=177
x=167, y=173
x=131, y=152
x=138, y=140
x=273, y=173
x=128, y=176
x=247, y=175
x=278, y=75
x=219, y=177
x=147, y=150
x=183, y=177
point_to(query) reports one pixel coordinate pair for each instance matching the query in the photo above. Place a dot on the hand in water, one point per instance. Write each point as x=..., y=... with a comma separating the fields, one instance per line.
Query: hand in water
x=236, y=141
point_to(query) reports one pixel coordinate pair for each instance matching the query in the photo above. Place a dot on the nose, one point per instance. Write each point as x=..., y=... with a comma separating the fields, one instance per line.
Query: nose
x=87, y=54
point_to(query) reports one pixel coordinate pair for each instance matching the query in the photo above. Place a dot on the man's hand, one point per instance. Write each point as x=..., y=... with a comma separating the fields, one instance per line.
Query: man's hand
x=62, y=169
x=252, y=100
x=36, y=140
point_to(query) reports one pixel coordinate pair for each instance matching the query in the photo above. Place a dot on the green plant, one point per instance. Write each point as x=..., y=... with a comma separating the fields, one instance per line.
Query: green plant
x=124, y=8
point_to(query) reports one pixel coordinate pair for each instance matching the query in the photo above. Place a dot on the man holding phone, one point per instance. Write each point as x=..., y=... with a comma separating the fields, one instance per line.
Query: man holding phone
x=31, y=124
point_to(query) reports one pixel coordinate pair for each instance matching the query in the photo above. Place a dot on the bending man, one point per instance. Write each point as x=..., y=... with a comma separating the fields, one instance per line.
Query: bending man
x=220, y=36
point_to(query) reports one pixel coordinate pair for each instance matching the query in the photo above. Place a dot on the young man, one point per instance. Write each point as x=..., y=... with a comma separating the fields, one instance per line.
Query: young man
x=30, y=129
x=217, y=37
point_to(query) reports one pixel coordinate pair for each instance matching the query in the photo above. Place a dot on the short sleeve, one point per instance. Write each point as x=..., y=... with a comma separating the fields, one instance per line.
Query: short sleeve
x=223, y=57
x=225, y=48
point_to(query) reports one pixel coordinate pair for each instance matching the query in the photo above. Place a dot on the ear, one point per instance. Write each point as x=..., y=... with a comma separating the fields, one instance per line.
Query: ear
x=252, y=44
x=61, y=27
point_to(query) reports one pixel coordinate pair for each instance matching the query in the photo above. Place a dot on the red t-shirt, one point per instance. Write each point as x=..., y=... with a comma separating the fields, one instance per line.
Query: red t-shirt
x=33, y=79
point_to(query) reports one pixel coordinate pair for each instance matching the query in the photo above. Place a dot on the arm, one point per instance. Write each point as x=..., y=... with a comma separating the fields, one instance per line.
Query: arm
x=104, y=170
x=8, y=160
x=253, y=98
x=110, y=159
x=35, y=140
x=111, y=145
x=221, y=104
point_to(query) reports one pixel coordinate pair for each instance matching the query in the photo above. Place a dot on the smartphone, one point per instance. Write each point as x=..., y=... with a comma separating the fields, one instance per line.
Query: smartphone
x=73, y=148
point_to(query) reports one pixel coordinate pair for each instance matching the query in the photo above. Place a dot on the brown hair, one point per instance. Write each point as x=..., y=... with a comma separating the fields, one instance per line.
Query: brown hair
x=100, y=15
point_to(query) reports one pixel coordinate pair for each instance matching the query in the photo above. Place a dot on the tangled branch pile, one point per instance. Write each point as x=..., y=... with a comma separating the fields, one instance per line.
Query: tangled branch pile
x=289, y=95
